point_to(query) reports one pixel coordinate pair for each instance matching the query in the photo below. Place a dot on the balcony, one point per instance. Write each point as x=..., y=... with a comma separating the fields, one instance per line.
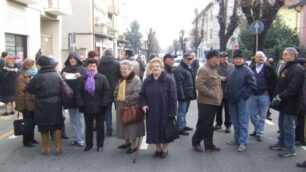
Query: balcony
x=28, y=2
x=57, y=7
x=113, y=10
x=100, y=28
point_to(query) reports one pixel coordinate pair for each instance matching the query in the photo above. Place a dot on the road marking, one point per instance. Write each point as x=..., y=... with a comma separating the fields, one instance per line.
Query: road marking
x=7, y=134
x=12, y=137
x=144, y=145
x=269, y=122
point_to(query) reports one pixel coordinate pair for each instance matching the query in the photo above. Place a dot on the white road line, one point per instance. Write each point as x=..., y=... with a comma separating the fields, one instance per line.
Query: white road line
x=144, y=145
x=269, y=122
x=12, y=137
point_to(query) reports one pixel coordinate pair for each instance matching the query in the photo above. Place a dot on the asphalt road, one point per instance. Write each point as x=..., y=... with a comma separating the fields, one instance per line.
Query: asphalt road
x=258, y=158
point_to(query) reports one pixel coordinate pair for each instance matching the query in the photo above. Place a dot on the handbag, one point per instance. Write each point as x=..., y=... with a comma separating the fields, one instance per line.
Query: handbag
x=131, y=114
x=66, y=92
x=171, y=130
x=22, y=126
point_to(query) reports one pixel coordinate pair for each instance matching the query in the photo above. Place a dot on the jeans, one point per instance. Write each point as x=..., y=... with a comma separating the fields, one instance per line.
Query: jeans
x=205, y=129
x=89, y=118
x=76, y=124
x=240, y=121
x=183, y=107
x=258, y=107
x=108, y=118
x=286, y=124
x=227, y=120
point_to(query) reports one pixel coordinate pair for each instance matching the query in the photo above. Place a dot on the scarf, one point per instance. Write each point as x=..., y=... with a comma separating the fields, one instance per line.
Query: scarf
x=90, y=84
x=121, y=90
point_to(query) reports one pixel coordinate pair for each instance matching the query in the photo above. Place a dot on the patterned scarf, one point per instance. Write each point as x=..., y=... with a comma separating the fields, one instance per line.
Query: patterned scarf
x=90, y=84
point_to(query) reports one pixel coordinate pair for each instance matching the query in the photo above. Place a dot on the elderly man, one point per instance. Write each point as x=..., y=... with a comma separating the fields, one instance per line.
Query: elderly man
x=208, y=85
x=259, y=102
x=185, y=84
x=286, y=100
x=224, y=69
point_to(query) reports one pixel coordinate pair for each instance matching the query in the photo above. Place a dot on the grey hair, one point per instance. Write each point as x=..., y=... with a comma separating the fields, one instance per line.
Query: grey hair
x=127, y=63
x=261, y=53
x=108, y=52
x=291, y=51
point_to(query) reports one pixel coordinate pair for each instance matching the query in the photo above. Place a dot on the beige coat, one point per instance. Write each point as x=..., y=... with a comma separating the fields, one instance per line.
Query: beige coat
x=208, y=85
x=23, y=99
x=132, y=91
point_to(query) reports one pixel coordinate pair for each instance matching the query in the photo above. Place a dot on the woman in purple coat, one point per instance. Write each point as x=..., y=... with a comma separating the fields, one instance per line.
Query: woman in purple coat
x=158, y=99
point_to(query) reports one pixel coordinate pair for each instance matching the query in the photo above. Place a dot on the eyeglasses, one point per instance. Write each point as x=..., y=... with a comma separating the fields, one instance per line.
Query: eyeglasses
x=189, y=59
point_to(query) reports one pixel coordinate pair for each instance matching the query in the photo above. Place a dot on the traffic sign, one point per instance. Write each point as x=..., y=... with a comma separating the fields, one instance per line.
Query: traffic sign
x=257, y=27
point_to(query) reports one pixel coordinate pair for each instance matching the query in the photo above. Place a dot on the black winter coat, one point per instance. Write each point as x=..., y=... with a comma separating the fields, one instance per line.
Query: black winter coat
x=185, y=82
x=110, y=67
x=270, y=77
x=290, y=88
x=48, y=104
x=97, y=103
x=74, y=83
x=8, y=81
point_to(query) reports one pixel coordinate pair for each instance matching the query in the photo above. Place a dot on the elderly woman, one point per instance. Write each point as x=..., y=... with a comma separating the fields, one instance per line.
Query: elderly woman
x=158, y=100
x=24, y=100
x=48, y=104
x=93, y=97
x=127, y=92
x=72, y=73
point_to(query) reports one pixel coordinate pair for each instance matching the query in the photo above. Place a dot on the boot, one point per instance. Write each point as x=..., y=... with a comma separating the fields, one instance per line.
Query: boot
x=57, y=140
x=46, y=145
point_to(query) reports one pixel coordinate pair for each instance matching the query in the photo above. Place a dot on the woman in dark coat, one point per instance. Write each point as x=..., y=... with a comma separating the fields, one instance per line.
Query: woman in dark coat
x=158, y=99
x=72, y=73
x=48, y=104
x=8, y=76
x=93, y=97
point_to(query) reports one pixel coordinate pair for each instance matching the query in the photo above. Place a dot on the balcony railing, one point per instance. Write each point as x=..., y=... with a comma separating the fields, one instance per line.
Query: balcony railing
x=57, y=7
x=28, y=2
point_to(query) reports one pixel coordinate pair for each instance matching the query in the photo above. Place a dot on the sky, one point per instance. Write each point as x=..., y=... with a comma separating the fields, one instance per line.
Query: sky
x=166, y=17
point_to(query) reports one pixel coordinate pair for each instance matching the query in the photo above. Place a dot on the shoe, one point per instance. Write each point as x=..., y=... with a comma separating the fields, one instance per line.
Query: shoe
x=259, y=138
x=65, y=137
x=74, y=143
x=5, y=114
x=217, y=127
x=187, y=128
x=287, y=154
x=277, y=147
x=28, y=144
x=242, y=148
x=253, y=134
x=87, y=148
x=184, y=133
x=213, y=149
x=12, y=113
x=99, y=149
x=109, y=133
x=302, y=164
x=34, y=141
x=163, y=154
x=232, y=142
x=130, y=150
x=198, y=148
x=228, y=130
x=157, y=154
x=124, y=146
x=269, y=118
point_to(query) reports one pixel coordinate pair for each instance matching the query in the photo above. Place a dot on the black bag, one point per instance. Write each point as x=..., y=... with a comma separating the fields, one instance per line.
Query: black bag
x=171, y=130
x=22, y=126
x=66, y=92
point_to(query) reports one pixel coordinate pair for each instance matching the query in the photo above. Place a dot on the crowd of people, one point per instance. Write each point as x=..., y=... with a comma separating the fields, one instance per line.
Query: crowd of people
x=243, y=92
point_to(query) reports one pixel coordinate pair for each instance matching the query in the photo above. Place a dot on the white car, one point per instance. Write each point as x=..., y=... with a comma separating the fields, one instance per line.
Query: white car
x=177, y=61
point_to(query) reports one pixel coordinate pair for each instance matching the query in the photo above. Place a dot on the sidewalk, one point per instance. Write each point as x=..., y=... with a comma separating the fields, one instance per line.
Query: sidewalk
x=6, y=123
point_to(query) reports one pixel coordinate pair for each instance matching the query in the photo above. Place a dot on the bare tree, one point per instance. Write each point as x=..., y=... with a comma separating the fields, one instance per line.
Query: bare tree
x=263, y=11
x=153, y=44
x=182, y=41
x=197, y=32
x=176, y=46
x=226, y=31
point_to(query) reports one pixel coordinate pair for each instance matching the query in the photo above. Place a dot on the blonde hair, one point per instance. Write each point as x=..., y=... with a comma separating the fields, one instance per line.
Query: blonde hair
x=27, y=64
x=155, y=60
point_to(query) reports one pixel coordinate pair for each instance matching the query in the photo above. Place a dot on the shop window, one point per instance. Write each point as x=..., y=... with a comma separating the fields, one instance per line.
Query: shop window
x=16, y=44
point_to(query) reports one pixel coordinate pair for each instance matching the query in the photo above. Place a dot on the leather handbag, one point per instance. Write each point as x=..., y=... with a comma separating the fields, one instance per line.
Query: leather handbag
x=22, y=126
x=171, y=131
x=66, y=92
x=131, y=114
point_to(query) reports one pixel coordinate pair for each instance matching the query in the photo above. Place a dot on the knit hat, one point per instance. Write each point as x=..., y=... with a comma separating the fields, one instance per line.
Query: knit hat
x=168, y=56
x=237, y=53
x=212, y=53
x=45, y=61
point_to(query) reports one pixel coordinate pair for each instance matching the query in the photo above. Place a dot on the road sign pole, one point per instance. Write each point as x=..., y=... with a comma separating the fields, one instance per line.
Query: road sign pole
x=256, y=28
x=256, y=42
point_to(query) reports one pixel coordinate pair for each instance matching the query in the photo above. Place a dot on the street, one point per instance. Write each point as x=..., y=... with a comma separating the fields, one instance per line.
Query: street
x=15, y=157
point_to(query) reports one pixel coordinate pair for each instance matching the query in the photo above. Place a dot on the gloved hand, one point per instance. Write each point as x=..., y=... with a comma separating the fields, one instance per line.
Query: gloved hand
x=276, y=101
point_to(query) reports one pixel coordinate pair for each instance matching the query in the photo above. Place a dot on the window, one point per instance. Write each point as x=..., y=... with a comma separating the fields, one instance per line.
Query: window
x=15, y=44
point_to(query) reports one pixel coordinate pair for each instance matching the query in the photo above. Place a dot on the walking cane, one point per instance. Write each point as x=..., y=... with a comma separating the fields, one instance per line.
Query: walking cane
x=138, y=142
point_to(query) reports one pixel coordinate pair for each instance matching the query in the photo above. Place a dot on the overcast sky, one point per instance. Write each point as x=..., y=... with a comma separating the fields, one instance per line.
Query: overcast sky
x=167, y=17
